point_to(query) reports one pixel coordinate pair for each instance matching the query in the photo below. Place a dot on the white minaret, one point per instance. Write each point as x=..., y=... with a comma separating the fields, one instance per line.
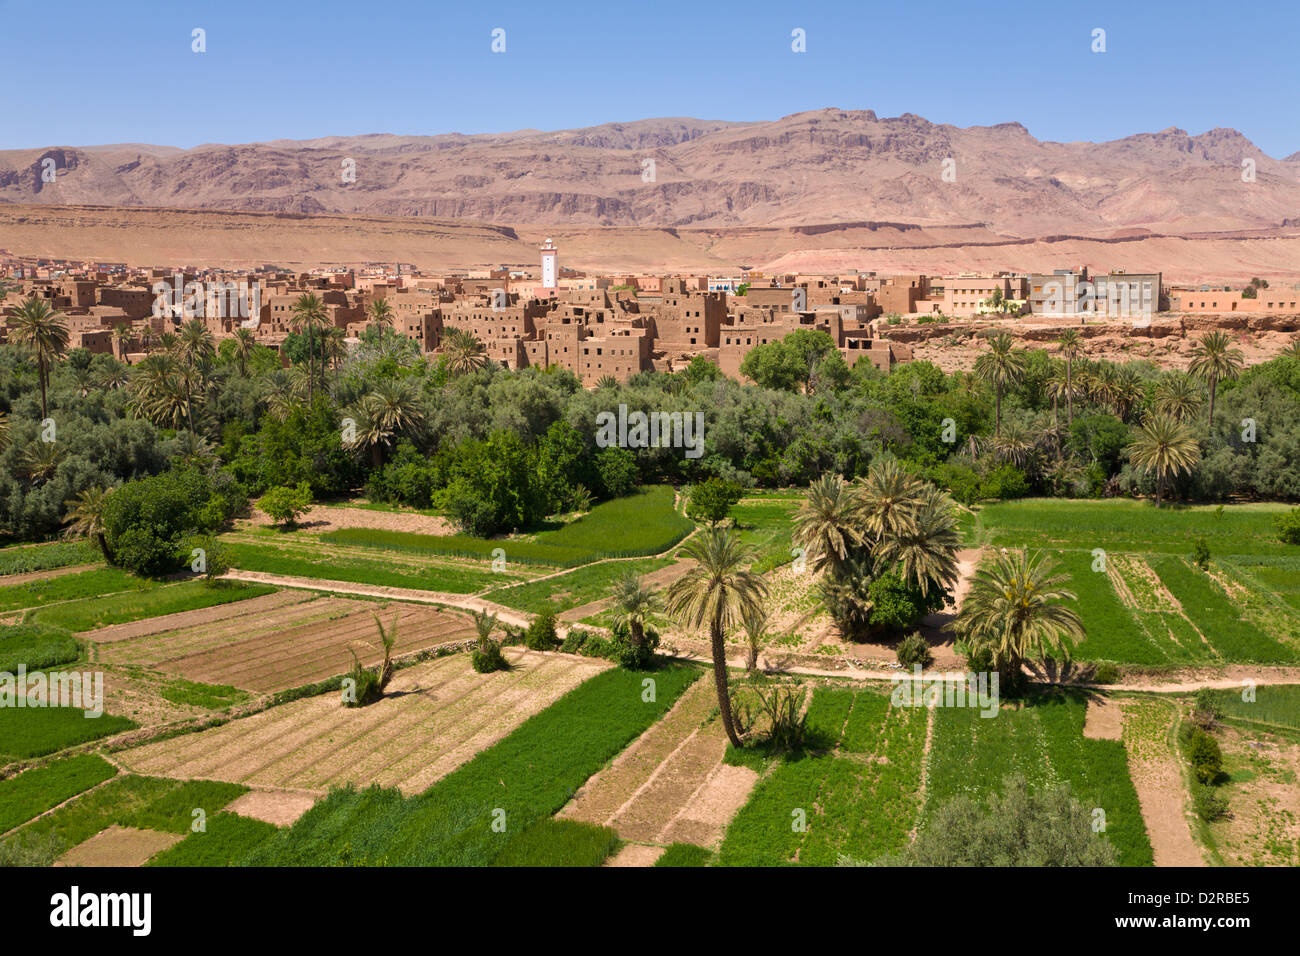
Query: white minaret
x=550, y=269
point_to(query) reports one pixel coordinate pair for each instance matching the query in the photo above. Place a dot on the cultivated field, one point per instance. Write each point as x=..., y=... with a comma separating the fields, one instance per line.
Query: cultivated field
x=288, y=646
x=436, y=716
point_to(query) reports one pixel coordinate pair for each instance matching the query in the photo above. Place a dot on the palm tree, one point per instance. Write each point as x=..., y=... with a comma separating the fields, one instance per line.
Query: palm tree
x=1214, y=359
x=390, y=408
x=1126, y=391
x=1001, y=366
x=1165, y=446
x=1178, y=396
x=40, y=460
x=42, y=330
x=755, y=623
x=886, y=502
x=334, y=347
x=85, y=517
x=717, y=591
x=309, y=315
x=245, y=342
x=121, y=338
x=1071, y=347
x=927, y=555
x=1292, y=351
x=634, y=602
x=464, y=352
x=115, y=376
x=823, y=525
x=1014, y=446
x=1014, y=609
x=83, y=380
x=4, y=431
x=381, y=313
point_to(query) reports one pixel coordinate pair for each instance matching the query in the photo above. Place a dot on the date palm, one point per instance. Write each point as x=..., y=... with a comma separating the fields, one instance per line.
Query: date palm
x=927, y=556
x=42, y=331
x=1071, y=347
x=1292, y=351
x=1178, y=396
x=1015, y=609
x=886, y=502
x=717, y=592
x=115, y=376
x=245, y=342
x=1214, y=359
x=1014, y=446
x=85, y=517
x=464, y=352
x=1001, y=366
x=380, y=314
x=1165, y=446
x=4, y=431
x=634, y=601
x=40, y=460
x=824, y=525
x=1126, y=391
x=308, y=317
x=121, y=338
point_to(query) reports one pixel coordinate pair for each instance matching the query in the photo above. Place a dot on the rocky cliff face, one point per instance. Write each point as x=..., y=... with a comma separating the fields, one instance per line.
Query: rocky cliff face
x=827, y=166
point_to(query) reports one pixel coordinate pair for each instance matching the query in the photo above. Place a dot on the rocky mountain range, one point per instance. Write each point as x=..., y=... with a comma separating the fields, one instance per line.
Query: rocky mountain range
x=829, y=166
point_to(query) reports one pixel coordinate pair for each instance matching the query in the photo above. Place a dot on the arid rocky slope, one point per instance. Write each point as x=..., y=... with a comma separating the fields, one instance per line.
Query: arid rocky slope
x=827, y=166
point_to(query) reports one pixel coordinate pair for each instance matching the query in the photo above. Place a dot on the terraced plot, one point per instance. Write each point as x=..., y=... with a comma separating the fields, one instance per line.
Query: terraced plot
x=436, y=716
x=670, y=785
x=860, y=798
x=289, y=647
x=163, y=623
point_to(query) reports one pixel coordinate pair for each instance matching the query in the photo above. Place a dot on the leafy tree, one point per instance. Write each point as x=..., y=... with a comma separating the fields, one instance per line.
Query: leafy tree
x=712, y=500
x=285, y=505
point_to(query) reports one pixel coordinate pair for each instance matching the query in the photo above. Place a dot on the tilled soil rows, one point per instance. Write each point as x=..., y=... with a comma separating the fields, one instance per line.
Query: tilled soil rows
x=250, y=608
x=295, y=656
x=435, y=716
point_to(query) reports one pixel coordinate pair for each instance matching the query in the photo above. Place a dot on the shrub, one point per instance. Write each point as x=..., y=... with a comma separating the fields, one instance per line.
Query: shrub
x=1203, y=754
x=1209, y=803
x=1288, y=526
x=1205, y=710
x=787, y=724
x=541, y=635
x=284, y=505
x=1201, y=554
x=1106, y=672
x=574, y=640
x=627, y=653
x=487, y=657
x=914, y=649
x=712, y=500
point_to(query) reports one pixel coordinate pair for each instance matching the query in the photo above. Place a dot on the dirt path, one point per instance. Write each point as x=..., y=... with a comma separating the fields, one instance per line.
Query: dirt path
x=1104, y=719
x=323, y=518
x=1158, y=779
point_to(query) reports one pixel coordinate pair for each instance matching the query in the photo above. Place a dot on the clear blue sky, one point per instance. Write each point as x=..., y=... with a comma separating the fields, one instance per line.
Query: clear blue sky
x=79, y=73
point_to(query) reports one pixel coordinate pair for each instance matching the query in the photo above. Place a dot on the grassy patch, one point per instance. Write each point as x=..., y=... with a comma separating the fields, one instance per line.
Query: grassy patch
x=228, y=837
x=573, y=589
x=25, y=559
x=1274, y=705
x=685, y=854
x=1217, y=616
x=1044, y=743
x=210, y=696
x=37, y=731
x=523, y=778
x=36, y=646
x=86, y=615
x=641, y=523
x=379, y=571
x=34, y=791
x=551, y=842
x=70, y=587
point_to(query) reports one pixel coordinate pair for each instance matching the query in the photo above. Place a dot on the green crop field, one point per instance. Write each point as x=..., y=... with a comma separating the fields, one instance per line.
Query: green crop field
x=24, y=559
x=71, y=587
x=1198, y=621
x=573, y=589
x=522, y=779
x=37, y=731
x=766, y=526
x=35, y=791
x=1044, y=743
x=859, y=797
x=642, y=523
x=153, y=601
x=36, y=646
x=1275, y=705
x=314, y=560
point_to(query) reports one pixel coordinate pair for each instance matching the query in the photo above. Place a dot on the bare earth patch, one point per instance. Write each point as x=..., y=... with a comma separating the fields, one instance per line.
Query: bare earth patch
x=704, y=819
x=636, y=854
x=249, y=608
x=435, y=716
x=1104, y=720
x=119, y=846
x=1263, y=828
x=324, y=518
x=278, y=807
x=1157, y=777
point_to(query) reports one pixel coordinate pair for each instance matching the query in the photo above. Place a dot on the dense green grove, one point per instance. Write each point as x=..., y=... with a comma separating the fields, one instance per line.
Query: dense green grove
x=499, y=450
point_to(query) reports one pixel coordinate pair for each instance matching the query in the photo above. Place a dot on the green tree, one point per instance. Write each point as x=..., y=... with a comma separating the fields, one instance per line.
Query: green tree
x=1213, y=360
x=712, y=500
x=43, y=332
x=1002, y=367
x=1164, y=446
x=285, y=505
